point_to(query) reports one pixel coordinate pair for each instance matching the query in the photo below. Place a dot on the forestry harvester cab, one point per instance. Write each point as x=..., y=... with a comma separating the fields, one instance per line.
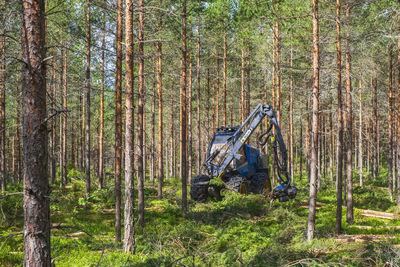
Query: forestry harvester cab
x=232, y=164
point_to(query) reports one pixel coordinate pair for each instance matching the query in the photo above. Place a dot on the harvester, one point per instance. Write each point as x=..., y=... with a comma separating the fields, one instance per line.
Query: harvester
x=234, y=165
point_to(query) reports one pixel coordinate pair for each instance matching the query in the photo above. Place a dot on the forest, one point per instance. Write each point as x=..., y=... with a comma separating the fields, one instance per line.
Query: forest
x=108, y=111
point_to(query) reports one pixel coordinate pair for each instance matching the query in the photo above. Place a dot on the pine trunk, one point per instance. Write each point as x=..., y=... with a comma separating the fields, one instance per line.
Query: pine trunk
x=360, y=139
x=242, y=92
x=160, y=168
x=189, y=119
x=349, y=128
x=53, y=166
x=153, y=127
x=314, y=136
x=140, y=158
x=61, y=124
x=129, y=218
x=278, y=73
x=101, y=133
x=291, y=161
x=199, y=143
x=339, y=144
x=376, y=130
x=3, y=104
x=224, y=81
x=398, y=119
x=118, y=123
x=391, y=125
x=87, y=100
x=248, y=83
x=217, y=93
x=64, y=115
x=183, y=113
x=36, y=183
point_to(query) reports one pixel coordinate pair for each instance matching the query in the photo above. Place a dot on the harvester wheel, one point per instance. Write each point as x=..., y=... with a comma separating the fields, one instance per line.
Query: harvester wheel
x=238, y=184
x=199, y=188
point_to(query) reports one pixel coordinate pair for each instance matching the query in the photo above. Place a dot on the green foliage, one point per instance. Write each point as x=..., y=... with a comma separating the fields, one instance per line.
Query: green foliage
x=237, y=231
x=74, y=174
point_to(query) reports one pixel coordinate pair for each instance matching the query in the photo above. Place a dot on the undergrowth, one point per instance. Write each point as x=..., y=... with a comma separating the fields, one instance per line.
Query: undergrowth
x=237, y=231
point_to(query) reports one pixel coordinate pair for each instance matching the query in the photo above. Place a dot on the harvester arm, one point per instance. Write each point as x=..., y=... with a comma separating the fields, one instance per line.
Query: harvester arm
x=241, y=136
x=284, y=191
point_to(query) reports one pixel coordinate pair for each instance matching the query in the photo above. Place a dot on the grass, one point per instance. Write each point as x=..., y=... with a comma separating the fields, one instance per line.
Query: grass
x=237, y=231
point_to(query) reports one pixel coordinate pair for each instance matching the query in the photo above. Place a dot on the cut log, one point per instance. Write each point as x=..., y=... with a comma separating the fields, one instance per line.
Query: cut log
x=306, y=207
x=360, y=238
x=395, y=227
x=380, y=214
x=76, y=234
x=318, y=203
x=108, y=211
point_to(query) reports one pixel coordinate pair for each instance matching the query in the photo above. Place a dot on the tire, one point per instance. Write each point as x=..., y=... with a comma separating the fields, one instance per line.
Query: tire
x=199, y=188
x=238, y=184
x=260, y=184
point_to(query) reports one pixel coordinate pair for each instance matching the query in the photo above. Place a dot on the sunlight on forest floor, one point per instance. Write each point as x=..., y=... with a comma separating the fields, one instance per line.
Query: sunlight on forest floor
x=239, y=230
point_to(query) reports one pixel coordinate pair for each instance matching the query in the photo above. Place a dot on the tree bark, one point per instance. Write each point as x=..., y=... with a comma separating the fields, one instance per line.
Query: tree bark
x=118, y=123
x=189, y=116
x=308, y=139
x=339, y=144
x=349, y=128
x=199, y=143
x=183, y=112
x=61, y=124
x=224, y=81
x=64, y=115
x=398, y=118
x=291, y=161
x=82, y=129
x=332, y=142
x=391, y=123
x=160, y=169
x=208, y=105
x=101, y=133
x=242, y=92
x=141, y=117
x=129, y=218
x=87, y=100
x=278, y=73
x=171, y=137
x=375, y=127
x=153, y=127
x=248, y=86
x=36, y=182
x=3, y=104
x=217, y=93
x=273, y=87
x=53, y=167
x=301, y=148
x=314, y=136
x=360, y=139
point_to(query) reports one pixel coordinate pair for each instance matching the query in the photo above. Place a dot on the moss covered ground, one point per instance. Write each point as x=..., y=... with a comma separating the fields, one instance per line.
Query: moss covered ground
x=237, y=231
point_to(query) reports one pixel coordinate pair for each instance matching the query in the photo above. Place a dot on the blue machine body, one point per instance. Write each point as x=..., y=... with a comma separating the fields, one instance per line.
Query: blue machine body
x=250, y=167
x=246, y=166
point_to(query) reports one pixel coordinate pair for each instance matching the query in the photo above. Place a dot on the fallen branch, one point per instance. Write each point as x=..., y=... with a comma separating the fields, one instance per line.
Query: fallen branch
x=181, y=258
x=61, y=227
x=312, y=261
x=9, y=236
x=11, y=194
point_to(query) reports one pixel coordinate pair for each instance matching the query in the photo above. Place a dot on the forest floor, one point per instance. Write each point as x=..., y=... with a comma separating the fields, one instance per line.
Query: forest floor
x=237, y=231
